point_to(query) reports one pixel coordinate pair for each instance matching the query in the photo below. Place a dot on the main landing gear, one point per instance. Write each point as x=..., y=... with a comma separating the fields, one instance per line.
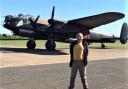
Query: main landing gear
x=102, y=46
x=31, y=44
x=50, y=44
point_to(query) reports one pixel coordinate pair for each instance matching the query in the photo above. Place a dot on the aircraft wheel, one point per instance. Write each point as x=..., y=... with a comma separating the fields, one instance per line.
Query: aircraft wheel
x=50, y=45
x=31, y=44
x=103, y=46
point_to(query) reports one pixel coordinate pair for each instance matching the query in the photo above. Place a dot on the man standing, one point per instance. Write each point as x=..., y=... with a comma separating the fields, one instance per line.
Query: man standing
x=78, y=61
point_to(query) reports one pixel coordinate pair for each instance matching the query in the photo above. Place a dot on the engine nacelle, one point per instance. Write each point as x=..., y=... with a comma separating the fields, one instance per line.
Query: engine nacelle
x=124, y=33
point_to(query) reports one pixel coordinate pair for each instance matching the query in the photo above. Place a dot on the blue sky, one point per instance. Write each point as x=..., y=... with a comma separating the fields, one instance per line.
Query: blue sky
x=66, y=10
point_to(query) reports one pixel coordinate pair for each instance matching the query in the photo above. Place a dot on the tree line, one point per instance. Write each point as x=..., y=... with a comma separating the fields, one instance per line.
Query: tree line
x=11, y=37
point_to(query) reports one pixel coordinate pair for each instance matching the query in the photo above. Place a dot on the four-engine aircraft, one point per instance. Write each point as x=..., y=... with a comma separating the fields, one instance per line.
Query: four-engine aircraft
x=55, y=30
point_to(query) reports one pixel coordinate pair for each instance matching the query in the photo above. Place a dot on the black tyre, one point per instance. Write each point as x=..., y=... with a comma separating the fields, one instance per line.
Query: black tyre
x=50, y=45
x=31, y=44
x=103, y=46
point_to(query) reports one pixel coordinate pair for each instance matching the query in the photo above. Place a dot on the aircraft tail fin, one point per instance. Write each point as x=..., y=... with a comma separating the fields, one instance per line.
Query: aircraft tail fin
x=124, y=33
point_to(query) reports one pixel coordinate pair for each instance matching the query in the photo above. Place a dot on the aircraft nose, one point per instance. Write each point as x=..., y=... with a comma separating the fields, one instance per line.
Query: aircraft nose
x=8, y=18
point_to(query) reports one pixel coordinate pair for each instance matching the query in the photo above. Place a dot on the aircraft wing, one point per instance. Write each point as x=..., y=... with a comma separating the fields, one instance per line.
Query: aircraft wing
x=97, y=20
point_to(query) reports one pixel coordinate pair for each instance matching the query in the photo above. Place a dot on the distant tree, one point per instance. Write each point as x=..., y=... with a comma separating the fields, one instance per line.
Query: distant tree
x=5, y=35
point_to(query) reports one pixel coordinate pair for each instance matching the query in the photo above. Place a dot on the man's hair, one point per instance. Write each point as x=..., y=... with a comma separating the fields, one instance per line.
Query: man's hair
x=78, y=34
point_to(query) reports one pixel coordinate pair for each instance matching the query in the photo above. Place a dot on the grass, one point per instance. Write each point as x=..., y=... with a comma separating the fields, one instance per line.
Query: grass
x=41, y=44
x=117, y=44
x=22, y=43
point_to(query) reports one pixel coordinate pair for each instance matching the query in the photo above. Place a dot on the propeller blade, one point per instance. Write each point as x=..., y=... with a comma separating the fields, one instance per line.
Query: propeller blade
x=33, y=23
x=51, y=21
x=37, y=19
x=53, y=10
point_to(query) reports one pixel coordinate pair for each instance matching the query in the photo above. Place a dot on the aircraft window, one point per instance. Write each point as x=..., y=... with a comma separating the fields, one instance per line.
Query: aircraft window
x=25, y=18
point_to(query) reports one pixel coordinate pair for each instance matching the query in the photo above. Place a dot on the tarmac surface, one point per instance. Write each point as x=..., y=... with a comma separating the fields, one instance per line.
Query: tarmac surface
x=41, y=69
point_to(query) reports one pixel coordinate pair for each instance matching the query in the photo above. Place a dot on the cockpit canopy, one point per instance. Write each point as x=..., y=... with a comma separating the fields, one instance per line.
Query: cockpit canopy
x=14, y=20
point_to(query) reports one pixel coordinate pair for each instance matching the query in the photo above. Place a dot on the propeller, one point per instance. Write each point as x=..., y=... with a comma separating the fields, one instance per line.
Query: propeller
x=33, y=23
x=52, y=21
x=53, y=12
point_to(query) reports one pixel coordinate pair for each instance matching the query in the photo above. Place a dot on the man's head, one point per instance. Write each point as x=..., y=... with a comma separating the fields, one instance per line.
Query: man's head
x=79, y=36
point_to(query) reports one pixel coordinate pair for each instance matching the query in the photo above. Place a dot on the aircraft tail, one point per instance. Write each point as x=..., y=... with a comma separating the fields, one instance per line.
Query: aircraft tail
x=124, y=33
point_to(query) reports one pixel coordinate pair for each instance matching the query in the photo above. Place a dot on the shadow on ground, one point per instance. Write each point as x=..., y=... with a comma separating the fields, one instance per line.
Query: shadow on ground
x=103, y=74
x=34, y=51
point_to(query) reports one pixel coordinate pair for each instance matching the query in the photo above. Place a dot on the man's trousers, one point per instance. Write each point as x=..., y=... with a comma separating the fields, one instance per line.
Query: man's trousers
x=78, y=65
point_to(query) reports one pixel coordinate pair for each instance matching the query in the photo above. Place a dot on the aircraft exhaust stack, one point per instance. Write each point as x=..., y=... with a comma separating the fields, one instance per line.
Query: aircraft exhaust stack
x=124, y=33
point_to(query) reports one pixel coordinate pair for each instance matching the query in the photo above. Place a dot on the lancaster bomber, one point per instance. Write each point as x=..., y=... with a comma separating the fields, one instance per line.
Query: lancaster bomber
x=55, y=30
